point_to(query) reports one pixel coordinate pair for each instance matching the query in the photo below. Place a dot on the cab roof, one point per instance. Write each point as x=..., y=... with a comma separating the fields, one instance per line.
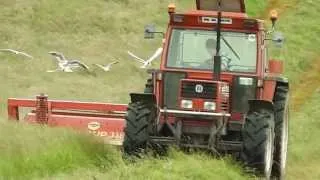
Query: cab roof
x=237, y=15
x=225, y=5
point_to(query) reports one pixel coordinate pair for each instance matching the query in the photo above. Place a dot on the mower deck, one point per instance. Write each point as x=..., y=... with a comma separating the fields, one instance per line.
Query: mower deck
x=100, y=119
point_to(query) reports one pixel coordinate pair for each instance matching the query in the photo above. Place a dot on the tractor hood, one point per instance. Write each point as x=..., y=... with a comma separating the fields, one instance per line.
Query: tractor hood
x=226, y=5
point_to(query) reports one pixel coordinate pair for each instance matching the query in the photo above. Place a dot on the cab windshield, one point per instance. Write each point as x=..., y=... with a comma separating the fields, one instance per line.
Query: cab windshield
x=195, y=49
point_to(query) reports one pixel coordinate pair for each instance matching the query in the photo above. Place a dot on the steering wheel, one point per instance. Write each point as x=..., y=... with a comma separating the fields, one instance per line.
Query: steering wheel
x=225, y=62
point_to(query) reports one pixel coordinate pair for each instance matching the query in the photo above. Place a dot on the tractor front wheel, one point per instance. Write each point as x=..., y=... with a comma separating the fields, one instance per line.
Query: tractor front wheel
x=258, y=141
x=137, y=128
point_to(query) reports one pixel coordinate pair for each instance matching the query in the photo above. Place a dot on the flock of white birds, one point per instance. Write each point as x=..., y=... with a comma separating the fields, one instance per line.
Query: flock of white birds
x=69, y=65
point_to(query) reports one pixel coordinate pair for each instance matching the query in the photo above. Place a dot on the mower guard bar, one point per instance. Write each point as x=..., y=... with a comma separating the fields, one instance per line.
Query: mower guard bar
x=100, y=119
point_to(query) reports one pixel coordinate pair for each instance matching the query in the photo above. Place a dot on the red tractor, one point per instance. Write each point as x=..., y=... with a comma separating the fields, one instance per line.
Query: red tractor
x=216, y=90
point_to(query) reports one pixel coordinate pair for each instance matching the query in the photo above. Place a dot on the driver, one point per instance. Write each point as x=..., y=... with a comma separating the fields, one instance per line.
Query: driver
x=211, y=48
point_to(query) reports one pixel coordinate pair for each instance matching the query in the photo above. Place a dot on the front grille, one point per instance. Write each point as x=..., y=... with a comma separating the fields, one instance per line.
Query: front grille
x=188, y=90
x=225, y=106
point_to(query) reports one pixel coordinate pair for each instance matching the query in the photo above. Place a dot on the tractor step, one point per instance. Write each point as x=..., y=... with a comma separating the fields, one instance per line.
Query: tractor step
x=222, y=145
x=230, y=145
x=163, y=140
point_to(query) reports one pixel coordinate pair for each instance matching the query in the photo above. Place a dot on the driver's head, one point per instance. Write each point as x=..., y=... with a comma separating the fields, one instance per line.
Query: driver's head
x=211, y=46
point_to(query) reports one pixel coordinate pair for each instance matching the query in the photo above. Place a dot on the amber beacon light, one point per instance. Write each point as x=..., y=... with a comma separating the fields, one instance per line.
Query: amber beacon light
x=171, y=8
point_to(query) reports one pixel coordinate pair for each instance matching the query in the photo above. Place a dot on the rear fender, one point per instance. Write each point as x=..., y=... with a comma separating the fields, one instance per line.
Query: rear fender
x=270, y=84
x=144, y=97
x=260, y=104
x=283, y=84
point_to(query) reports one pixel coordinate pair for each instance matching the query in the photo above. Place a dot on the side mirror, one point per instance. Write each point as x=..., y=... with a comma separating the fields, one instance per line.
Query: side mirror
x=149, y=31
x=278, y=39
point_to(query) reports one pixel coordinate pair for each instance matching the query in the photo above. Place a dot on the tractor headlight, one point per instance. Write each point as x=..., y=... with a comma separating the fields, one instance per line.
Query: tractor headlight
x=210, y=106
x=225, y=90
x=187, y=104
x=246, y=81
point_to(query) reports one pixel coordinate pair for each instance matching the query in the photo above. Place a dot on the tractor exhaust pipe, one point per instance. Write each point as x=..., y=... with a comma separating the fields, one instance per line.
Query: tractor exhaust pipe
x=217, y=57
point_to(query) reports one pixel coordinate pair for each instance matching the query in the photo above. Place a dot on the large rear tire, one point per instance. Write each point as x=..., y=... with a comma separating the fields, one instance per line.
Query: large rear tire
x=258, y=142
x=137, y=128
x=281, y=104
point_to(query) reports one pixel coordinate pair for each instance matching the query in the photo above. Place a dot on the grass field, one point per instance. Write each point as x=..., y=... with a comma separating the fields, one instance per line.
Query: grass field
x=177, y=166
x=99, y=31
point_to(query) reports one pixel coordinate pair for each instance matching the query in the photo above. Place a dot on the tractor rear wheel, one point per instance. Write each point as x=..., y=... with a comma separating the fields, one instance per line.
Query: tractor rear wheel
x=258, y=141
x=281, y=104
x=137, y=128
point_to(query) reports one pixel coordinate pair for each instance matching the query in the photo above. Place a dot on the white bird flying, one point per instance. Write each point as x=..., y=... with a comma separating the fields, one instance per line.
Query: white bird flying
x=147, y=62
x=17, y=52
x=107, y=67
x=66, y=65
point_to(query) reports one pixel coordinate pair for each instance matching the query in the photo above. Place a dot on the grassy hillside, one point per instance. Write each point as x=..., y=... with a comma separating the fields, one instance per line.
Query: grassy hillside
x=99, y=31
x=304, y=146
x=92, y=31
x=301, y=58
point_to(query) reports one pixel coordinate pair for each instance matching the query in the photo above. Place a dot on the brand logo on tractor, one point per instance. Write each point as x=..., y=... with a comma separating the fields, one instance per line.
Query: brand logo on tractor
x=199, y=88
x=93, y=126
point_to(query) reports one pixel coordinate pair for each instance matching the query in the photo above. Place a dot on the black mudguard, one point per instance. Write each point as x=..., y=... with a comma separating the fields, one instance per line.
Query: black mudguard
x=144, y=97
x=258, y=104
x=284, y=84
x=281, y=81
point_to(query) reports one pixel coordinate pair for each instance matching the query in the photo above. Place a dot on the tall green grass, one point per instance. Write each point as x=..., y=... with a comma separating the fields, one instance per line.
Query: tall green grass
x=32, y=151
x=255, y=7
x=176, y=166
x=304, y=144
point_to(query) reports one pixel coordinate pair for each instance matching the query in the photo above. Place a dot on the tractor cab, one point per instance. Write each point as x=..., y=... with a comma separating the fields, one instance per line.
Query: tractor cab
x=192, y=42
x=189, y=84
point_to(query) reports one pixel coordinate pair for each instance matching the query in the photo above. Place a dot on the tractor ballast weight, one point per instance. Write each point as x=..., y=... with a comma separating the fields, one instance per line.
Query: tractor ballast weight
x=240, y=107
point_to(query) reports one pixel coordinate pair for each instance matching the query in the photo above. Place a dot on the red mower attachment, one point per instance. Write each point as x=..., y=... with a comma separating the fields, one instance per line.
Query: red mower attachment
x=100, y=119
